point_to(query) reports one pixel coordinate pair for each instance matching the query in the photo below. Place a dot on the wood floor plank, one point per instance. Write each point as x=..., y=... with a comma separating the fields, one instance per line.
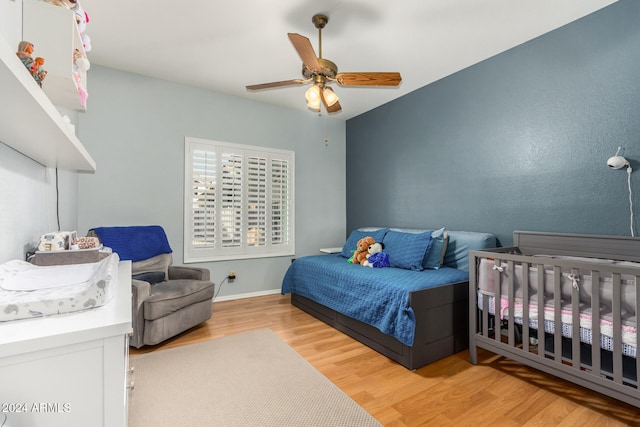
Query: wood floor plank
x=449, y=392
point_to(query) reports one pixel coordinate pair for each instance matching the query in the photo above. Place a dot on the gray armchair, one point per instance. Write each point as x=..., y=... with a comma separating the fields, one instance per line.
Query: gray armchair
x=166, y=300
x=164, y=309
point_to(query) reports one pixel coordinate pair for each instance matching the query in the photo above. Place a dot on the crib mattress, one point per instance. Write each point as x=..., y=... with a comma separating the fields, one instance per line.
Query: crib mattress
x=27, y=290
x=569, y=281
x=629, y=333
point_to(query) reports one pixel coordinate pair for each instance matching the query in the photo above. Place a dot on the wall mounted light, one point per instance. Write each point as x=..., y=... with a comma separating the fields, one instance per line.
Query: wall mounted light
x=618, y=162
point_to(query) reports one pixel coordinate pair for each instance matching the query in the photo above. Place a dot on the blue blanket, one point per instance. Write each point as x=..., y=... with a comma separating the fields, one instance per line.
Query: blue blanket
x=376, y=296
x=135, y=243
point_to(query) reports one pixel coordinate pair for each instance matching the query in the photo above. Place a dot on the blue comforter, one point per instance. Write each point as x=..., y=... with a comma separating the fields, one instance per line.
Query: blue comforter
x=376, y=296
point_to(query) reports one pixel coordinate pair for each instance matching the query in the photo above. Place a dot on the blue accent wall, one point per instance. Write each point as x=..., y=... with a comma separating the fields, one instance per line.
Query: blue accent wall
x=517, y=142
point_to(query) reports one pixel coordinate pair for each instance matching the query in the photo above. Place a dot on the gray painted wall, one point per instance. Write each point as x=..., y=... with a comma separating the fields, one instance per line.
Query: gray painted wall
x=517, y=142
x=134, y=129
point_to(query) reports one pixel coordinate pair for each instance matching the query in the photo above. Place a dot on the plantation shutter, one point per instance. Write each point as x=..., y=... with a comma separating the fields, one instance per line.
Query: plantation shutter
x=230, y=212
x=238, y=201
x=279, y=202
x=257, y=201
x=203, y=196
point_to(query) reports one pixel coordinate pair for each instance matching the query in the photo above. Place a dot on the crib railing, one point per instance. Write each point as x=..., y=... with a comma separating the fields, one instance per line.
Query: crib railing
x=560, y=286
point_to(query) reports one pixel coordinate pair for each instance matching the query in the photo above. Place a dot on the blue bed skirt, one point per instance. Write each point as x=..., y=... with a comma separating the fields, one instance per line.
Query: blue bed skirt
x=376, y=296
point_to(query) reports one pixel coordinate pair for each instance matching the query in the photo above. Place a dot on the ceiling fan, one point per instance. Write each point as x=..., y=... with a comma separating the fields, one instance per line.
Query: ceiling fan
x=321, y=71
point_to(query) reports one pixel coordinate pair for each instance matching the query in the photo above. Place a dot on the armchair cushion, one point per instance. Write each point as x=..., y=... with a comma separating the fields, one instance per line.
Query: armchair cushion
x=168, y=297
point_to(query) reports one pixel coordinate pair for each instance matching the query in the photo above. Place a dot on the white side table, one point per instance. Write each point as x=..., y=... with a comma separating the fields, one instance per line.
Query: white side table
x=331, y=250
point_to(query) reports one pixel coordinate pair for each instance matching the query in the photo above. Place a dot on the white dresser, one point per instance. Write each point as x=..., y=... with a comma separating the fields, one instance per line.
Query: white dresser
x=71, y=369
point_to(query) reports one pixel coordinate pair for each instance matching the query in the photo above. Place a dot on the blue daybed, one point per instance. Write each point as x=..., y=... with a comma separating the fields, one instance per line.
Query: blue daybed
x=414, y=312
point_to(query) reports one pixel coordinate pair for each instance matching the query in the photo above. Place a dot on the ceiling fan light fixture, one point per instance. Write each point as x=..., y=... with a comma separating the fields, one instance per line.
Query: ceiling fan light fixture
x=313, y=97
x=313, y=94
x=330, y=96
x=314, y=105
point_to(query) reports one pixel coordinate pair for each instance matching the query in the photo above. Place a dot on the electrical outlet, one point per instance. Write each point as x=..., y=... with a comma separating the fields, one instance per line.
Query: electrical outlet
x=232, y=275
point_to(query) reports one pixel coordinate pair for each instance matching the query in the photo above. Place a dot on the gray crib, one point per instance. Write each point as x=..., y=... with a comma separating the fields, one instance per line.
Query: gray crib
x=586, y=284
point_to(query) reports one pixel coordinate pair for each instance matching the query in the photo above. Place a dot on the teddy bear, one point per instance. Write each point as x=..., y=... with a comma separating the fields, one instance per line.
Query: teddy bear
x=362, y=249
x=375, y=257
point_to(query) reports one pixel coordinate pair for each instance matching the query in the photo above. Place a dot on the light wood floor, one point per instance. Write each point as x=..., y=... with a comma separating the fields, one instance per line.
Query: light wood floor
x=496, y=392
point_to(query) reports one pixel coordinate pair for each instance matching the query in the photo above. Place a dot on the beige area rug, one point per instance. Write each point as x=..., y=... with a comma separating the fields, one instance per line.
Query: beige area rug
x=249, y=379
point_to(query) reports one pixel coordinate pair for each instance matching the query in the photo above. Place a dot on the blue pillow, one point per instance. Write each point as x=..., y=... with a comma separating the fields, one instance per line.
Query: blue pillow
x=435, y=257
x=407, y=250
x=461, y=242
x=352, y=242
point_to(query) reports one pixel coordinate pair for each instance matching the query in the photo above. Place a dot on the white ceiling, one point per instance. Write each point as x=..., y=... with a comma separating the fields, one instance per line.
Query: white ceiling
x=225, y=45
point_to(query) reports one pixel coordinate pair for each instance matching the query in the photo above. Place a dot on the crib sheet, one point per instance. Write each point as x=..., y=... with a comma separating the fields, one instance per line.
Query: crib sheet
x=586, y=336
x=36, y=291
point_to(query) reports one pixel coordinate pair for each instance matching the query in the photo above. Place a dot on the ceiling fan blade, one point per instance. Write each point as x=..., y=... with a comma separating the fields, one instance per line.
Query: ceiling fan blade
x=305, y=50
x=334, y=108
x=276, y=84
x=369, y=79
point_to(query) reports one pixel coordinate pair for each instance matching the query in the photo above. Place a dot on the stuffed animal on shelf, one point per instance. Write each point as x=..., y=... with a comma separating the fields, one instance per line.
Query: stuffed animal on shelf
x=80, y=64
x=38, y=62
x=82, y=92
x=81, y=18
x=38, y=71
x=80, y=61
x=25, y=49
x=360, y=254
x=376, y=258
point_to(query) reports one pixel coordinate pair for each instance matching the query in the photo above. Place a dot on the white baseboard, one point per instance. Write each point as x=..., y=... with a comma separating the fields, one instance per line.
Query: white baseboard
x=249, y=295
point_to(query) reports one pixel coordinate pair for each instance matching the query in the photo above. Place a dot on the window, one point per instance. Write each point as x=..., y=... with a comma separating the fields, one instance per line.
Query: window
x=238, y=201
